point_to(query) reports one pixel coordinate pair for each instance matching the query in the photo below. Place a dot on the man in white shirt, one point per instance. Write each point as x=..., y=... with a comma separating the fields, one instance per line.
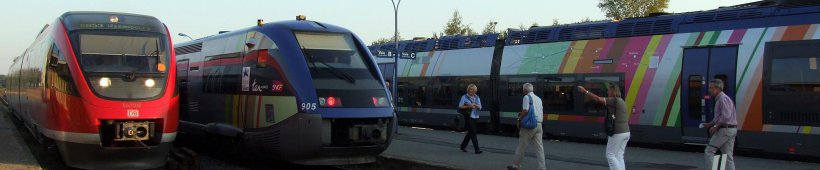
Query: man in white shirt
x=525, y=136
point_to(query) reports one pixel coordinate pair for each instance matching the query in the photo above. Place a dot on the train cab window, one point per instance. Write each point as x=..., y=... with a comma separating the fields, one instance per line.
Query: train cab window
x=58, y=75
x=695, y=83
x=599, y=85
x=558, y=93
x=105, y=57
x=336, y=61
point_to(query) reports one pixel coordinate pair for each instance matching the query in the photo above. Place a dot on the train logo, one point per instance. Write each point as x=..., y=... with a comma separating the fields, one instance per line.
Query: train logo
x=277, y=86
x=133, y=113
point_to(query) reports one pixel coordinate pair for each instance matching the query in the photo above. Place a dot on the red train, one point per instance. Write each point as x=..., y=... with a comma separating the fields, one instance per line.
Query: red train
x=100, y=87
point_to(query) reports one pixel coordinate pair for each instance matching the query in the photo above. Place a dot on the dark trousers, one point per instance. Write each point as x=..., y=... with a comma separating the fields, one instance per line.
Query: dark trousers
x=469, y=125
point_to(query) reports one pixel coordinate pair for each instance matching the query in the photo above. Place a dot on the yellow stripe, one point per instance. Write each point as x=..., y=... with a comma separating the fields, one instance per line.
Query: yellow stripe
x=233, y=109
x=575, y=55
x=806, y=130
x=635, y=86
x=552, y=116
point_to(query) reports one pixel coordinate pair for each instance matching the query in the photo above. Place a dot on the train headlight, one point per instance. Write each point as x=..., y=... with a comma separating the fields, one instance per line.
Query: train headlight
x=105, y=82
x=379, y=101
x=149, y=83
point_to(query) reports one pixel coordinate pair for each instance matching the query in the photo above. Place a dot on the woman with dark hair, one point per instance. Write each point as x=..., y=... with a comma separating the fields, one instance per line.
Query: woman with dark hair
x=616, y=143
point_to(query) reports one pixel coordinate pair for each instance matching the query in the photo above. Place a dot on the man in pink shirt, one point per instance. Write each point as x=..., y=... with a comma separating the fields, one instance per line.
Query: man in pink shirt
x=723, y=127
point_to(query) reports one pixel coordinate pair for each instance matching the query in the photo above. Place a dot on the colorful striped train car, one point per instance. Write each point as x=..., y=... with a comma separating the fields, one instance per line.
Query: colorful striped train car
x=766, y=51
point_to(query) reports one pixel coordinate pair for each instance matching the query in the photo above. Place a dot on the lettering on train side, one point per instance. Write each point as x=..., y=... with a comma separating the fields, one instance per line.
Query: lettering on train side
x=258, y=87
x=277, y=86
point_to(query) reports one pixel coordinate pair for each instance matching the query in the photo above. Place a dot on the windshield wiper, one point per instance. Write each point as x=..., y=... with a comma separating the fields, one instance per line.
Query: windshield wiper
x=332, y=70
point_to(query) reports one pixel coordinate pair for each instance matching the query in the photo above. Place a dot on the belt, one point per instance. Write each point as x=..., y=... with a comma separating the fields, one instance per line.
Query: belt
x=728, y=126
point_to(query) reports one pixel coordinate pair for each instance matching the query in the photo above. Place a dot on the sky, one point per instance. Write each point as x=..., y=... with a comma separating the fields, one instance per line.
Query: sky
x=369, y=19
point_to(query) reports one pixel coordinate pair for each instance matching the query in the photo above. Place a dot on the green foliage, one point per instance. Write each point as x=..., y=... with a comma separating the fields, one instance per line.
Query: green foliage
x=621, y=9
x=455, y=26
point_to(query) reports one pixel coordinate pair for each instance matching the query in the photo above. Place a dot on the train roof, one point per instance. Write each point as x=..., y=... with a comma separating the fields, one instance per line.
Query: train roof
x=99, y=20
x=407, y=48
x=750, y=15
x=290, y=25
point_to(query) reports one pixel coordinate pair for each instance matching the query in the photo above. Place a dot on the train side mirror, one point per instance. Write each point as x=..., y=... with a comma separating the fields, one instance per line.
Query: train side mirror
x=250, y=45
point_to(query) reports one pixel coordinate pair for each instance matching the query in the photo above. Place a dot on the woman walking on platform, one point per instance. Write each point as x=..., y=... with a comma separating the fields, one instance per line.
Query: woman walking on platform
x=616, y=142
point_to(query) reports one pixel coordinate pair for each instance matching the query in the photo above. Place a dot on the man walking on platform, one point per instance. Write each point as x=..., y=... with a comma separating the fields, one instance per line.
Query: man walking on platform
x=527, y=136
x=723, y=127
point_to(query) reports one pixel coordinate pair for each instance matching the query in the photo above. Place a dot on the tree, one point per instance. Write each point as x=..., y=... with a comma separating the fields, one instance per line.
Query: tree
x=534, y=24
x=586, y=20
x=555, y=22
x=455, y=26
x=621, y=9
x=490, y=28
x=385, y=40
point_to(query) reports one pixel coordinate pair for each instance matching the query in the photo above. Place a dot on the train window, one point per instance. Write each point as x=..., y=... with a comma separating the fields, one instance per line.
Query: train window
x=599, y=86
x=695, y=83
x=130, y=54
x=336, y=62
x=558, y=93
x=443, y=92
x=58, y=75
x=515, y=85
x=420, y=96
x=799, y=74
x=412, y=92
x=791, y=81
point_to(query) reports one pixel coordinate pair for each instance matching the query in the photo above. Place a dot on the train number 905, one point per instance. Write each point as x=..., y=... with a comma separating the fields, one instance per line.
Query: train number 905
x=308, y=106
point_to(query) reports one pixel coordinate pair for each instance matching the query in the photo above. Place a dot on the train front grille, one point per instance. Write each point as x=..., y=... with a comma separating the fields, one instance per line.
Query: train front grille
x=355, y=132
x=130, y=133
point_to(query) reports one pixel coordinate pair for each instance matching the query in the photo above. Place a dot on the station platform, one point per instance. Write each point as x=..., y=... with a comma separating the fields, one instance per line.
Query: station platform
x=440, y=149
x=14, y=153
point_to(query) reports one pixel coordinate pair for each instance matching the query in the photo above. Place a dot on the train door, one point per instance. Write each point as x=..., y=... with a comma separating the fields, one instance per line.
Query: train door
x=182, y=88
x=699, y=66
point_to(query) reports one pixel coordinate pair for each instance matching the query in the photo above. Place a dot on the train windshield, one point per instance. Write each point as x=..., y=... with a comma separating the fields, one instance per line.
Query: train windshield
x=336, y=63
x=123, y=65
x=115, y=53
x=343, y=77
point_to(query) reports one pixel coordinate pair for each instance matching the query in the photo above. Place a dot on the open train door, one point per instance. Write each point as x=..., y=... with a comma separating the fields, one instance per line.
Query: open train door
x=701, y=64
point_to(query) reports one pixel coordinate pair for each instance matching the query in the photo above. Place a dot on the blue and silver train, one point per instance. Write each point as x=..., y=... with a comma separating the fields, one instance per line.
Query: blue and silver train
x=300, y=91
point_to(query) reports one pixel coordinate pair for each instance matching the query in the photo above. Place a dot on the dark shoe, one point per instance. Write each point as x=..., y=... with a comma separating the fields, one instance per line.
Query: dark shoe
x=511, y=168
x=479, y=152
x=463, y=150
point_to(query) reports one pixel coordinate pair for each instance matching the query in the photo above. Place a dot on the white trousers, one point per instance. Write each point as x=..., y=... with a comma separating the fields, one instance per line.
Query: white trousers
x=525, y=137
x=723, y=140
x=615, y=148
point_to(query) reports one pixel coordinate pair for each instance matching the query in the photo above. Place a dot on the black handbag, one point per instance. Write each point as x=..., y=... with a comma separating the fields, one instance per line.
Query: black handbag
x=465, y=112
x=609, y=122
